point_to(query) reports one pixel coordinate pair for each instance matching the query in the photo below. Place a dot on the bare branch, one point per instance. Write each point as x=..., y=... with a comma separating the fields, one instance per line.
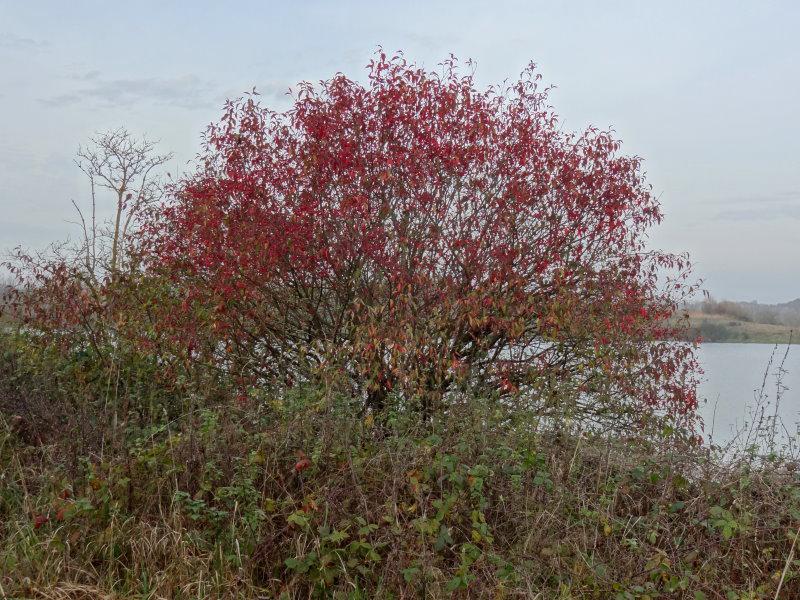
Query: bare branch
x=126, y=166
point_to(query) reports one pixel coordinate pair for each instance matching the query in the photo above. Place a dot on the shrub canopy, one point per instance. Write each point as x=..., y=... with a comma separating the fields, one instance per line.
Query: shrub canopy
x=417, y=234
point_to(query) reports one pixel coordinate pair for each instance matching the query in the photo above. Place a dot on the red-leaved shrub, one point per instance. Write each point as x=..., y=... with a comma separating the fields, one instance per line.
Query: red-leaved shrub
x=418, y=236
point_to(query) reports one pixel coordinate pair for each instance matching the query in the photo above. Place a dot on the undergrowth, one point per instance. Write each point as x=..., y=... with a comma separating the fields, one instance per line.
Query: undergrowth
x=298, y=493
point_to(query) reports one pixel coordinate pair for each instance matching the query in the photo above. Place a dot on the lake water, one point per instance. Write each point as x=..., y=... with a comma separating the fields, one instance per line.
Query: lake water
x=734, y=374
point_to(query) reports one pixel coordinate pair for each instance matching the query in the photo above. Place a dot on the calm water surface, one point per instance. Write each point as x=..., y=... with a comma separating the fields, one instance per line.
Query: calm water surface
x=734, y=374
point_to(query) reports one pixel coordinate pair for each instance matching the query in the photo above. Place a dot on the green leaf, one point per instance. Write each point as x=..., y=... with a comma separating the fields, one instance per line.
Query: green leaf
x=410, y=573
x=456, y=583
x=337, y=537
x=292, y=563
x=676, y=506
x=443, y=539
x=727, y=531
x=298, y=518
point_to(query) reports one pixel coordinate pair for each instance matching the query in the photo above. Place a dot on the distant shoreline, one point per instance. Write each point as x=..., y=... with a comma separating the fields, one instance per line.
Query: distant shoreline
x=754, y=342
x=722, y=329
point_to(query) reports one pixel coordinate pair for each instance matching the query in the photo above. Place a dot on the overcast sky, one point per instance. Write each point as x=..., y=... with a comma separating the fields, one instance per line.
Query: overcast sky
x=707, y=92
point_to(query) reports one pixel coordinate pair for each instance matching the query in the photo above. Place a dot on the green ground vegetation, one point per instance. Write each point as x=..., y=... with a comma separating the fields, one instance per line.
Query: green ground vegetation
x=114, y=487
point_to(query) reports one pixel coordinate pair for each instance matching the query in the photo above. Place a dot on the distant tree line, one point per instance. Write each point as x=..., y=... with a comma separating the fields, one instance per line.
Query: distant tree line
x=787, y=313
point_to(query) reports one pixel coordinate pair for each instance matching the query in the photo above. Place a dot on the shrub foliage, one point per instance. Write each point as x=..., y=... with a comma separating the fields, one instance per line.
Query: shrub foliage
x=415, y=236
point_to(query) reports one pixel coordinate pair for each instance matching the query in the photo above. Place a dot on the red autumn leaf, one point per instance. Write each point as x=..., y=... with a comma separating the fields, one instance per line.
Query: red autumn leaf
x=39, y=520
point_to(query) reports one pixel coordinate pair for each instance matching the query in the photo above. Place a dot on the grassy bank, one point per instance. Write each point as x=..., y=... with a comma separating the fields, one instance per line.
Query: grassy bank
x=298, y=494
x=724, y=328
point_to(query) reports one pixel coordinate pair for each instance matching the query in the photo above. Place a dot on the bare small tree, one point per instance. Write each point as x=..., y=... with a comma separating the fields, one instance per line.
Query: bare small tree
x=116, y=162
x=128, y=167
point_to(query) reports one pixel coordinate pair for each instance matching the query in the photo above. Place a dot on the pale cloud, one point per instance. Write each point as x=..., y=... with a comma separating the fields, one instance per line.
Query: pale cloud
x=61, y=100
x=16, y=42
x=779, y=212
x=88, y=76
x=753, y=199
x=778, y=206
x=186, y=91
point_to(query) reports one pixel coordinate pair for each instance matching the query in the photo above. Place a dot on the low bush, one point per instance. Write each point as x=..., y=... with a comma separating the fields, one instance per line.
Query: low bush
x=300, y=494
